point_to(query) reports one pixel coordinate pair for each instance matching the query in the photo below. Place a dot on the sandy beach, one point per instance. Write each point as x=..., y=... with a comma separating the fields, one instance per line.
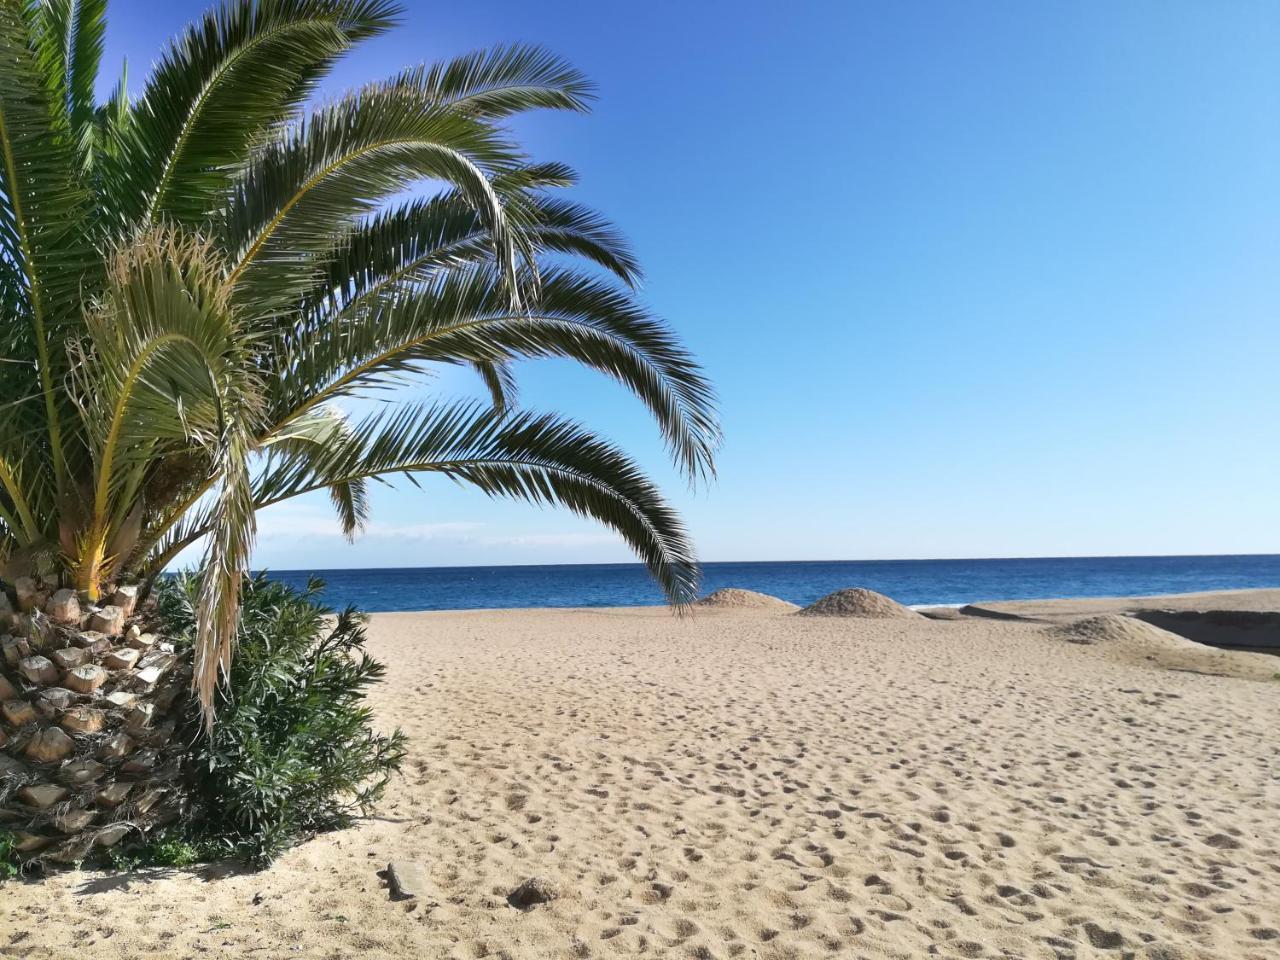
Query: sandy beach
x=759, y=784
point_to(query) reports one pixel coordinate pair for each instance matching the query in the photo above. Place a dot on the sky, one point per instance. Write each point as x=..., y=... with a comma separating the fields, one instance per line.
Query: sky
x=978, y=279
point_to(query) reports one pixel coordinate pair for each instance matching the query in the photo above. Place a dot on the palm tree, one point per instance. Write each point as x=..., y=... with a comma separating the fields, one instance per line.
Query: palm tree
x=192, y=282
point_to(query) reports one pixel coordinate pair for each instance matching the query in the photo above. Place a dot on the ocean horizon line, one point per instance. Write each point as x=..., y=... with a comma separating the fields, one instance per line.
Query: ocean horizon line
x=935, y=582
x=703, y=563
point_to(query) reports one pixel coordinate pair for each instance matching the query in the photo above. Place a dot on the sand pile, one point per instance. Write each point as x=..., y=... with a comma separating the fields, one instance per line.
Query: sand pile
x=732, y=598
x=858, y=602
x=1133, y=641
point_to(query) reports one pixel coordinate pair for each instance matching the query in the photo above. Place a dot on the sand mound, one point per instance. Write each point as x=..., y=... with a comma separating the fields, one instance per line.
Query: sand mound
x=1115, y=629
x=1132, y=640
x=732, y=598
x=858, y=602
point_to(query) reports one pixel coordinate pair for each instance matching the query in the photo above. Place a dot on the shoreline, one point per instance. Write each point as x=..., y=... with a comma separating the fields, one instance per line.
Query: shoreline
x=1262, y=599
x=912, y=583
x=1246, y=620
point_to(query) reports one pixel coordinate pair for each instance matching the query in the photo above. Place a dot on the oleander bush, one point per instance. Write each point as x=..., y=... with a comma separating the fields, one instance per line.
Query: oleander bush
x=294, y=751
x=9, y=862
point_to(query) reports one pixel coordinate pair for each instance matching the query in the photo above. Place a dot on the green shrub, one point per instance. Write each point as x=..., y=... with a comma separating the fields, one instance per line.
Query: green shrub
x=9, y=864
x=293, y=751
x=178, y=846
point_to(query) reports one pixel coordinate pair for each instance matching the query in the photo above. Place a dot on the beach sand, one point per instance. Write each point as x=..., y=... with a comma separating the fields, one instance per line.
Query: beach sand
x=1248, y=601
x=746, y=783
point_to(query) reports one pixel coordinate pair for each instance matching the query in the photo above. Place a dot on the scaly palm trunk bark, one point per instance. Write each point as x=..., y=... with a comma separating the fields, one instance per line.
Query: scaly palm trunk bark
x=88, y=701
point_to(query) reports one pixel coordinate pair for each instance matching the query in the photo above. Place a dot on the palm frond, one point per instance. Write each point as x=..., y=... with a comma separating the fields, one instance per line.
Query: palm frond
x=27, y=492
x=500, y=380
x=564, y=226
x=165, y=369
x=311, y=437
x=246, y=66
x=15, y=510
x=111, y=123
x=501, y=81
x=410, y=243
x=42, y=210
x=463, y=317
x=233, y=524
x=542, y=459
x=71, y=35
x=307, y=187
x=165, y=344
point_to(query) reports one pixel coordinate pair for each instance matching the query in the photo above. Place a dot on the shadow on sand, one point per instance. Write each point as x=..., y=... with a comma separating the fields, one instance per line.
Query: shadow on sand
x=127, y=879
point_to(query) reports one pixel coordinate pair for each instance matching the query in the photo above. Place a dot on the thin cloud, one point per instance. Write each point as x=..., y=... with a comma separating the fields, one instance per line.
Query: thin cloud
x=298, y=521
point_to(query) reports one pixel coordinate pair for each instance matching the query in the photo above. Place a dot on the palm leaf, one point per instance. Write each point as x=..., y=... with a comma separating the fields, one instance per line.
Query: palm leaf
x=165, y=369
x=111, y=124
x=463, y=317
x=306, y=188
x=311, y=437
x=233, y=524
x=246, y=66
x=42, y=234
x=71, y=35
x=501, y=81
x=410, y=243
x=542, y=459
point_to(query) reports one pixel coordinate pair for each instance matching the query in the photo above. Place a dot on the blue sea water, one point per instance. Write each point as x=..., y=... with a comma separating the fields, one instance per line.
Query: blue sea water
x=912, y=582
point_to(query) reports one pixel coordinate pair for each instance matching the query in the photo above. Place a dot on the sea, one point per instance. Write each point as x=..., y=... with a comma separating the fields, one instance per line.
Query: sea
x=912, y=582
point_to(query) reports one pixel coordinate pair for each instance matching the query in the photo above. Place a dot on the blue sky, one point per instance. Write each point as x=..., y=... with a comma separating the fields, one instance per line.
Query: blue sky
x=972, y=279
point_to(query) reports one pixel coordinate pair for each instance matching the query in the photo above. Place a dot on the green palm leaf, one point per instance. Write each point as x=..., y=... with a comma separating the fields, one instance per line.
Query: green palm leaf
x=165, y=368
x=71, y=35
x=316, y=180
x=543, y=459
x=243, y=68
x=463, y=316
x=411, y=243
x=45, y=250
x=498, y=82
x=310, y=438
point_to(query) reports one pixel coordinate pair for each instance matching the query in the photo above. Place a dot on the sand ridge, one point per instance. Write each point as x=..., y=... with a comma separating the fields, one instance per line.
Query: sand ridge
x=755, y=786
x=1130, y=640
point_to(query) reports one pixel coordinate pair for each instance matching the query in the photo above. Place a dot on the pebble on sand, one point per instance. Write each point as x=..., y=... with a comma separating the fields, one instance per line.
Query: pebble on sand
x=407, y=880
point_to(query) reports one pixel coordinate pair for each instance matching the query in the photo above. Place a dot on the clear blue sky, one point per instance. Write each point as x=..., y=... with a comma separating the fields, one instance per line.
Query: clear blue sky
x=973, y=279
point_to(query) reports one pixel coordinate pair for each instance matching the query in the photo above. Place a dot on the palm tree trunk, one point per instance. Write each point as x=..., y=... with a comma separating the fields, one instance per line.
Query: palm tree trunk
x=89, y=707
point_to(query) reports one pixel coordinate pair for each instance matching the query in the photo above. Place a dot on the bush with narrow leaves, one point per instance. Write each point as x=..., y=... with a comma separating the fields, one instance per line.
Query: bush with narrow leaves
x=9, y=859
x=293, y=751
